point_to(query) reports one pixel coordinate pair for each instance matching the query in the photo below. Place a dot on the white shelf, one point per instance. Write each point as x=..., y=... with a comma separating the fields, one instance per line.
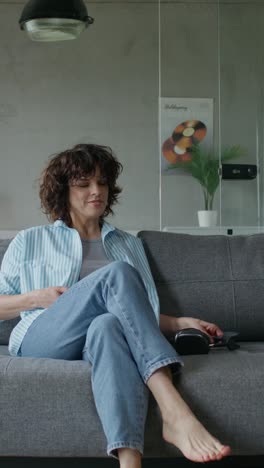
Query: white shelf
x=226, y=230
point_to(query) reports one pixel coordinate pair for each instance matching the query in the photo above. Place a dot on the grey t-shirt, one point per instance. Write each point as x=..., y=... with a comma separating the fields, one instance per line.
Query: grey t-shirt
x=94, y=256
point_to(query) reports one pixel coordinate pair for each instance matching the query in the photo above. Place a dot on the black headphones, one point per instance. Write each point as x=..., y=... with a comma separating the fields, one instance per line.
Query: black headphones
x=194, y=341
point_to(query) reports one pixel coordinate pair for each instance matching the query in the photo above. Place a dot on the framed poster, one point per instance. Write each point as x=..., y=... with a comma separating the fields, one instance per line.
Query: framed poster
x=184, y=122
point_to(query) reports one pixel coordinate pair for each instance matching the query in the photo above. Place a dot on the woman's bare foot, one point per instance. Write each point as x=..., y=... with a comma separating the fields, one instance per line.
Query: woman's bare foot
x=180, y=426
x=194, y=441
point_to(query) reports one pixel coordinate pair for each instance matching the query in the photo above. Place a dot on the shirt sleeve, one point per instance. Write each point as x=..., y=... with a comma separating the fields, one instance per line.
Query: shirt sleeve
x=144, y=269
x=10, y=268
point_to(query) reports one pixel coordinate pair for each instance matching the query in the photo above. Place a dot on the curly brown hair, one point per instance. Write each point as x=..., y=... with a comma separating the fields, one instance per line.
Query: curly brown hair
x=63, y=168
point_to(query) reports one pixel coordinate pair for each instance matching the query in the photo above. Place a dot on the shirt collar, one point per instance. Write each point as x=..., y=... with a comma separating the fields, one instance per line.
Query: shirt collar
x=106, y=228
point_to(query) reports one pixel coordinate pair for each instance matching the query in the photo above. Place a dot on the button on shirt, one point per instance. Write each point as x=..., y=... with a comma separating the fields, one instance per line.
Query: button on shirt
x=51, y=255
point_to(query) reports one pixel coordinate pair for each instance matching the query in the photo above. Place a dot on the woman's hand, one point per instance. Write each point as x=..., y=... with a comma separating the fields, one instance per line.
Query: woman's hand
x=211, y=329
x=43, y=298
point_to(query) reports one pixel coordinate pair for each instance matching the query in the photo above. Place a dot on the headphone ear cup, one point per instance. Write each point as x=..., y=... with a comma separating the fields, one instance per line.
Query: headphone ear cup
x=191, y=341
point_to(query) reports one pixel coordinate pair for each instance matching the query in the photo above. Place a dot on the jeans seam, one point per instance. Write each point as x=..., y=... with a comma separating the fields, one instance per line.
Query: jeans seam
x=85, y=350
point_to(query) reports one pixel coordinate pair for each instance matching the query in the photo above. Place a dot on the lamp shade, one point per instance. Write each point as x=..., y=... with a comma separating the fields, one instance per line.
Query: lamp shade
x=54, y=20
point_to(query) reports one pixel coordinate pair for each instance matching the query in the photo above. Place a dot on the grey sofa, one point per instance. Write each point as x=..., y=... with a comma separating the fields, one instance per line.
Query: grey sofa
x=47, y=407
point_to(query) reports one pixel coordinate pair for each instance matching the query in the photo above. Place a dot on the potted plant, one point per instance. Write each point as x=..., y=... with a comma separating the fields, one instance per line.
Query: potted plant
x=204, y=167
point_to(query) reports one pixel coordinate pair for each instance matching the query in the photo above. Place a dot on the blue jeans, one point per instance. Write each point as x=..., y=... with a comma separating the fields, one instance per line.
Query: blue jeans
x=107, y=319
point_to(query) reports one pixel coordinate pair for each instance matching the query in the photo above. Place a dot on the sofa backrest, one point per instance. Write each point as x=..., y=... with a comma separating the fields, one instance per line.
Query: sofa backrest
x=6, y=326
x=216, y=278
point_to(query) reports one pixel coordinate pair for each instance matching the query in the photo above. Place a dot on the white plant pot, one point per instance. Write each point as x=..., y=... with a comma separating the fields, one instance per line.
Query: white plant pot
x=207, y=218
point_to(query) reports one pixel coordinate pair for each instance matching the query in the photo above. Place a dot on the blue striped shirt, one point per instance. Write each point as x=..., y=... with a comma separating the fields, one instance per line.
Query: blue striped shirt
x=51, y=255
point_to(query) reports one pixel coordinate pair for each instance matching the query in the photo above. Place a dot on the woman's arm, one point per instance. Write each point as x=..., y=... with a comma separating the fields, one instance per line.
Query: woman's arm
x=170, y=325
x=12, y=301
x=12, y=305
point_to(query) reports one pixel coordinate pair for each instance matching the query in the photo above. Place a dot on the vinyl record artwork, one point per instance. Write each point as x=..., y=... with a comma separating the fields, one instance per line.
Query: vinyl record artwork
x=184, y=122
x=178, y=146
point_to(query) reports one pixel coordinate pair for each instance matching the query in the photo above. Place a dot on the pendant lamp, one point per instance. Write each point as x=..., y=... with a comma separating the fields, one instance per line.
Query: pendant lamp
x=54, y=20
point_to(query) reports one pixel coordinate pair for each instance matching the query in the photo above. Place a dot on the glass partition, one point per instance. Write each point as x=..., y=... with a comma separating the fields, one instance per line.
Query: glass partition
x=241, y=107
x=211, y=115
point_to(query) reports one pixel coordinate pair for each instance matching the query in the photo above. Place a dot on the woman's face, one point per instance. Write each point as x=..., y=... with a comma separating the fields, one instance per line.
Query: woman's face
x=88, y=196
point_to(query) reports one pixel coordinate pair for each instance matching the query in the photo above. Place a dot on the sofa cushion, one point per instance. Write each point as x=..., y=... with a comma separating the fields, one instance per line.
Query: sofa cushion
x=47, y=406
x=6, y=326
x=224, y=389
x=216, y=278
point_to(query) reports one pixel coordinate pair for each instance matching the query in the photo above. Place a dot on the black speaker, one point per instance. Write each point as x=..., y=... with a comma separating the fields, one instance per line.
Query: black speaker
x=239, y=171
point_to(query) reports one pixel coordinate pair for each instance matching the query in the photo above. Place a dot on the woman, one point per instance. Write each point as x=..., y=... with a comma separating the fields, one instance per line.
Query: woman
x=84, y=291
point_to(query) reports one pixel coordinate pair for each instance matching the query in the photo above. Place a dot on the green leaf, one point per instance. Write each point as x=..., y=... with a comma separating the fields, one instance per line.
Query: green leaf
x=204, y=167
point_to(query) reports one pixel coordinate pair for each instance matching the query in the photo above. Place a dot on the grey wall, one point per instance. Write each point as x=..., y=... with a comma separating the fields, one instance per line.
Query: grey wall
x=104, y=88
x=101, y=88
